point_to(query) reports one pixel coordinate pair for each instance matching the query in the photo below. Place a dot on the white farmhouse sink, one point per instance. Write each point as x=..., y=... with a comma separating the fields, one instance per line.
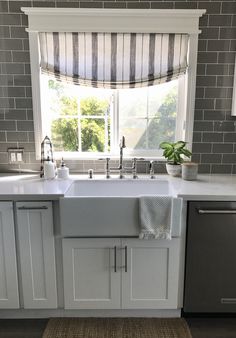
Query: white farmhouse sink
x=108, y=208
x=118, y=188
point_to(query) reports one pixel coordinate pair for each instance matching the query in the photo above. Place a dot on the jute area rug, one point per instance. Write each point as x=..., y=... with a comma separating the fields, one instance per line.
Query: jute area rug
x=117, y=328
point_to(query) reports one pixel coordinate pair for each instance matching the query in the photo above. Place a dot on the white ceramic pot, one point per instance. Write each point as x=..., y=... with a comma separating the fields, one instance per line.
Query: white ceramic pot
x=189, y=171
x=173, y=169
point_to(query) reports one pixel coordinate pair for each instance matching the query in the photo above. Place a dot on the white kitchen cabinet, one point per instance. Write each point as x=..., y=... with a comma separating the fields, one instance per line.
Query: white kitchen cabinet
x=91, y=276
x=9, y=298
x=150, y=274
x=37, y=254
x=121, y=273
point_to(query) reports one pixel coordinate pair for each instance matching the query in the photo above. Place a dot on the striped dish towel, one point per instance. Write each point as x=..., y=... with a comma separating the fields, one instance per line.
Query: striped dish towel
x=155, y=217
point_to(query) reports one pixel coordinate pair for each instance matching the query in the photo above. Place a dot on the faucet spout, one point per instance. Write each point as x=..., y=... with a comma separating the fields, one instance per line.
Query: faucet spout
x=122, y=146
x=120, y=167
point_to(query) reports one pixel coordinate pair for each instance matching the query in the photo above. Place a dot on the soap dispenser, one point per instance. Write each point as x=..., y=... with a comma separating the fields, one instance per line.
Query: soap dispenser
x=63, y=171
x=49, y=169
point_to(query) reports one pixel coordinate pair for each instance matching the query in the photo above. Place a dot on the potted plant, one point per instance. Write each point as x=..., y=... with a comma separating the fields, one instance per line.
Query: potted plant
x=173, y=152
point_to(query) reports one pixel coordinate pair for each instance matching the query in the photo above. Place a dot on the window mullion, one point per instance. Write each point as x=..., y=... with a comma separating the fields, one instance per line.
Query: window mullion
x=115, y=121
x=79, y=126
x=106, y=131
x=147, y=108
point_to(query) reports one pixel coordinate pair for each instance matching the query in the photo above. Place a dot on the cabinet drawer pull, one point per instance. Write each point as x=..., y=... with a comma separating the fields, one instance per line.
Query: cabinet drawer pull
x=225, y=211
x=33, y=208
x=115, y=267
x=126, y=259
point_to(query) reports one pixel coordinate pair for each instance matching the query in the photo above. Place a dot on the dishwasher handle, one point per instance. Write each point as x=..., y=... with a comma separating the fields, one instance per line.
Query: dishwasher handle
x=216, y=211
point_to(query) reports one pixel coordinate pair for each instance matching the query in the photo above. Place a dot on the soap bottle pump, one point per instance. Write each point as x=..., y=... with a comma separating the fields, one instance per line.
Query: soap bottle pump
x=63, y=171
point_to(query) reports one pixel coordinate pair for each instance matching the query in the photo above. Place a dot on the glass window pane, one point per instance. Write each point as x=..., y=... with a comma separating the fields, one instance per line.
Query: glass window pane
x=162, y=98
x=64, y=134
x=93, y=135
x=133, y=103
x=159, y=130
x=135, y=133
x=96, y=106
x=148, y=115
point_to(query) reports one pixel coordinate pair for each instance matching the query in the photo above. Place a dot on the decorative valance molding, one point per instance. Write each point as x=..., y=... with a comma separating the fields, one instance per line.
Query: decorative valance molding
x=113, y=20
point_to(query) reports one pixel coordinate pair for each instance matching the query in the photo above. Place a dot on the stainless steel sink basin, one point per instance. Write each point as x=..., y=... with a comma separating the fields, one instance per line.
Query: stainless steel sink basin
x=118, y=188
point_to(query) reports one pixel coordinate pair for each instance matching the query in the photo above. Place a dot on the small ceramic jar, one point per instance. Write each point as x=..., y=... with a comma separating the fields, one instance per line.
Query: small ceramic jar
x=189, y=171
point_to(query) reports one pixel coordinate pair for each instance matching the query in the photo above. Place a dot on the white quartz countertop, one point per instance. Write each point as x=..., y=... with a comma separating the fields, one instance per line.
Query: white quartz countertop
x=31, y=187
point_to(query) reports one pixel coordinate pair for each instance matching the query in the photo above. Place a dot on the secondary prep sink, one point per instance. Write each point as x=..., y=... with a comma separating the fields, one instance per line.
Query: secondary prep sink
x=107, y=208
x=118, y=188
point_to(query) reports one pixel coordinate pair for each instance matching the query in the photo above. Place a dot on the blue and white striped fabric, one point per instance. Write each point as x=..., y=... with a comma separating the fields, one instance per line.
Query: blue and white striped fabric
x=114, y=60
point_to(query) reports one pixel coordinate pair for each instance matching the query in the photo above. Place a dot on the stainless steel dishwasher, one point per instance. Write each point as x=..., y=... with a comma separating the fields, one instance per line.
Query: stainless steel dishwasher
x=210, y=279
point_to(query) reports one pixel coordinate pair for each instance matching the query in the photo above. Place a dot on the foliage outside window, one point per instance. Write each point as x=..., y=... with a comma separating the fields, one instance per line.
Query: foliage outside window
x=84, y=120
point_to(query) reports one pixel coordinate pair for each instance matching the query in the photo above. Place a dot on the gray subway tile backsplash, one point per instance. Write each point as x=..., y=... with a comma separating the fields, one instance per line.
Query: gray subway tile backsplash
x=25, y=126
x=23, y=103
x=224, y=126
x=226, y=57
x=2, y=136
x=214, y=135
x=220, y=20
x=7, y=125
x=223, y=104
x=207, y=57
x=217, y=69
x=17, y=136
x=229, y=158
x=221, y=168
x=225, y=81
x=223, y=148
x=216, y=92
x=202, y=148
x=229, y=7
x=16, y=114
x=214, y=115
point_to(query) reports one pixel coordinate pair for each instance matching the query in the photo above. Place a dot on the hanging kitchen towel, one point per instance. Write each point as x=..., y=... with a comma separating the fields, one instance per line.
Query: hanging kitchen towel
x=155, y=217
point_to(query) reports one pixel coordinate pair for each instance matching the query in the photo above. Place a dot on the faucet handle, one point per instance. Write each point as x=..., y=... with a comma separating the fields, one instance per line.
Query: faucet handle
x=134, y=168
x=151, y=169
x=122, y=142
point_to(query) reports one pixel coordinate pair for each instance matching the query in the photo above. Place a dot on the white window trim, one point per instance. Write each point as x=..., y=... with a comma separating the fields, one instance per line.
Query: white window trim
x=113, y=20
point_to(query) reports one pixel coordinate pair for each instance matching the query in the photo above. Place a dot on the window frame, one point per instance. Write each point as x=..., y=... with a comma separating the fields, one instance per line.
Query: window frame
x=119, y=21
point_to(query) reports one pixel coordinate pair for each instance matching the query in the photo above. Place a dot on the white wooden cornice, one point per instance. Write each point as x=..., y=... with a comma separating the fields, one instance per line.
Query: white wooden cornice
x=113, y=20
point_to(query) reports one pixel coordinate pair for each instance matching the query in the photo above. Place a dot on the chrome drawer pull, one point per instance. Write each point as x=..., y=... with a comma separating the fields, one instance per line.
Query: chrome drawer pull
x=226, y=211
x=33, y=208
x=126, y=259
x=228, y=300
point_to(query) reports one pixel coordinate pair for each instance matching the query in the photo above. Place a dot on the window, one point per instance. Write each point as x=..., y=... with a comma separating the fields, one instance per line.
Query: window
x=139, y=114
x=85, y=121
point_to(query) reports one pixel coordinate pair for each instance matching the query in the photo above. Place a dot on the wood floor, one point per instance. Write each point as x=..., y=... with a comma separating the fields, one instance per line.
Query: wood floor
x=200, y=328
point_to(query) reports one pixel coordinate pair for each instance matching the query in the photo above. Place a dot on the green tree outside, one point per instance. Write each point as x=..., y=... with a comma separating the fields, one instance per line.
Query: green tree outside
x=65, y=129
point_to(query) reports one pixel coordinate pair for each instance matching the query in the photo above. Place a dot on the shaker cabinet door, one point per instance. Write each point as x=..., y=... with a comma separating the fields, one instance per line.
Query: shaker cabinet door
x=9, y=298
x=37, y=254
x=150, y=273
x=91, y=274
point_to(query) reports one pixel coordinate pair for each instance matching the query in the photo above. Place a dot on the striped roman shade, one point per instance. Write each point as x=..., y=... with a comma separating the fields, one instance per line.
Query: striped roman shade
x=114, y=60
